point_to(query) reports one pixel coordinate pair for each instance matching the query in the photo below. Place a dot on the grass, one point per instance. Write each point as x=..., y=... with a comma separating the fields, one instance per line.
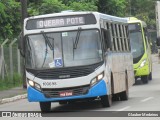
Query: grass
x=8, y=83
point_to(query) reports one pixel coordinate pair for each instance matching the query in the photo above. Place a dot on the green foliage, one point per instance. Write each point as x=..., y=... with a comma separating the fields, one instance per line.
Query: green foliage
x=144, y=10
x=9, y=18
x=10, y=11
x=145, y=17
x=51, y=6
x=7, y=82
x=54, y=6
x=83, y=6
x=112, y=7
x=45, y=7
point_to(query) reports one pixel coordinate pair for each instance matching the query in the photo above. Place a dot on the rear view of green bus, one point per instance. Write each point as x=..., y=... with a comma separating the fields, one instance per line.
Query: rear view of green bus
x=141, y=50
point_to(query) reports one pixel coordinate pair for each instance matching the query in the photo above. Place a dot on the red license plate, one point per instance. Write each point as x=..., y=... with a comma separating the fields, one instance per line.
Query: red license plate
x=65, y=93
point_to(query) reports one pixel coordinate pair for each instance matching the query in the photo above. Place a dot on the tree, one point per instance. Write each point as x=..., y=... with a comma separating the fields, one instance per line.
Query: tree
x=46, y=7
x=54, y=6
x=10, y=15
x=112, y=7
x=83, y=6
x=10, y=18
x=144, y=10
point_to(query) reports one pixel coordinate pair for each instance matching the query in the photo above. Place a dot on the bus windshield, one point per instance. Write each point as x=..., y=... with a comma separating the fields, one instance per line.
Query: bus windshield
x=39, y=54
x=137, y=45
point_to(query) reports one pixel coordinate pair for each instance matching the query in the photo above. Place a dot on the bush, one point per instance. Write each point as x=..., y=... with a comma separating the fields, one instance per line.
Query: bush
x=8, y=83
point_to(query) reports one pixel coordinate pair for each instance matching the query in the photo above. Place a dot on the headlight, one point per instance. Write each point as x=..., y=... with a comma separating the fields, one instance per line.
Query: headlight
x=100, y=76
x=34, y=84
x=93, y=81
x=37, y=86
x=143, y=63
x=96, y=79
x=31, y=83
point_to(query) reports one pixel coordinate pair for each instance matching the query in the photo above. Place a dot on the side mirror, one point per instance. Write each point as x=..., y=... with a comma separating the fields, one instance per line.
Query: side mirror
x=158, y=41
x=21, y=44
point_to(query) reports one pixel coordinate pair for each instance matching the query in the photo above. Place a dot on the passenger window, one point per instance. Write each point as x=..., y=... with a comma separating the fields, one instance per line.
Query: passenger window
x=114, y=40
x=107, y=39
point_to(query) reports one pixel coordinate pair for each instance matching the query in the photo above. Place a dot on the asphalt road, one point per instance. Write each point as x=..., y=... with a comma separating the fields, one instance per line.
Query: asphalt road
x=143, y=97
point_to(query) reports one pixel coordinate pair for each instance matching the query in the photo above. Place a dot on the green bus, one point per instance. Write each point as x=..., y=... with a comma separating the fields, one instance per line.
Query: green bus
x=141, y=49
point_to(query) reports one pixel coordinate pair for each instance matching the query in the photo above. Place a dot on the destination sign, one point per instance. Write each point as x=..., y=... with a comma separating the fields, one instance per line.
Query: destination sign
x=63, y=21
x=134, y=27
x=53, y=22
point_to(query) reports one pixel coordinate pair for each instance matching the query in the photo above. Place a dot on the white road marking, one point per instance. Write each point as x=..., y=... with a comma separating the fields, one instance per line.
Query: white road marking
x=149, y=98
x=122, y=109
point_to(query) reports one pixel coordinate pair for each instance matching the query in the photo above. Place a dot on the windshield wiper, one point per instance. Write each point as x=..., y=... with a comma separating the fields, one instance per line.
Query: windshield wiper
x=77, y=38
x=29, y=48
x=47, y=42
x=28, y=39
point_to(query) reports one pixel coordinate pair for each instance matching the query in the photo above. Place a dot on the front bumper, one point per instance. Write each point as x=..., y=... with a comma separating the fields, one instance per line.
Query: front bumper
x=99, y=89
x=142, y=71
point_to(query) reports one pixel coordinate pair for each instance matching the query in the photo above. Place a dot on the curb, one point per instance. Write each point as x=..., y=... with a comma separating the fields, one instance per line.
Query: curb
x=12, y=99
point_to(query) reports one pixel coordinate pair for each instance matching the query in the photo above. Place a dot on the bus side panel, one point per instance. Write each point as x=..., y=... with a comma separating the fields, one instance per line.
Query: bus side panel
x=118, y=72
x=130, y=70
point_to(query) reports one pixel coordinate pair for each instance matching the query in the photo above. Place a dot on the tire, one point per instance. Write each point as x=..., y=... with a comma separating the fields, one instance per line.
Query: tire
x=115, y=97
x=106, y=101
x=45, y=106
x=125, y=94
x=150, y=76
x=145, y=79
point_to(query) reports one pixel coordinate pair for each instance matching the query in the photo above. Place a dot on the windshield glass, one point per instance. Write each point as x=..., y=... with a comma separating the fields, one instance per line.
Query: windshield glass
x=137, y=44
x=63, y=54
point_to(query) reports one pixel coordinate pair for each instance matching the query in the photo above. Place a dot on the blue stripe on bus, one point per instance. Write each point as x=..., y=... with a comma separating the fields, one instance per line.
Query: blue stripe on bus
x=99, y=89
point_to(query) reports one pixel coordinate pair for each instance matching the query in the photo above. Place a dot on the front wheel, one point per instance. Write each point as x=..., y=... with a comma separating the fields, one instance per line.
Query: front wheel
x=144, y=79
x=106, y=100
x=45, y=106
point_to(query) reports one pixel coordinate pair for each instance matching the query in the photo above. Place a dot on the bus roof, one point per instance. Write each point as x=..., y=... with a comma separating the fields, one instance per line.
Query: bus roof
x=100, y=15
x=112, y=18
x=136, y=20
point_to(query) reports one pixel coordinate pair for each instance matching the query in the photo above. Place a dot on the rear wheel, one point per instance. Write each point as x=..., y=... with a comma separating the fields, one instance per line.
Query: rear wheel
x=106, y=100
x=45, y=106
x=124, y=95
x=144, y=79
x=115, y=97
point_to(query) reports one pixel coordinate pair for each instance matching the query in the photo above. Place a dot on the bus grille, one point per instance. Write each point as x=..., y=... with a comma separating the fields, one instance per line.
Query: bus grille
x=54, y=93
x=63, y=73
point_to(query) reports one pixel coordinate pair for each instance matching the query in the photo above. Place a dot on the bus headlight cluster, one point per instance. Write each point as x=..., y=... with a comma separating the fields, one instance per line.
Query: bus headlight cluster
x=97, y=79
x=143, y=63
x=34, y=84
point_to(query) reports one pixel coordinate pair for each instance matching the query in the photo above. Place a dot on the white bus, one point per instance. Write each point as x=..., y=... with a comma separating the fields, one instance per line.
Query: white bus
x=77, y=56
